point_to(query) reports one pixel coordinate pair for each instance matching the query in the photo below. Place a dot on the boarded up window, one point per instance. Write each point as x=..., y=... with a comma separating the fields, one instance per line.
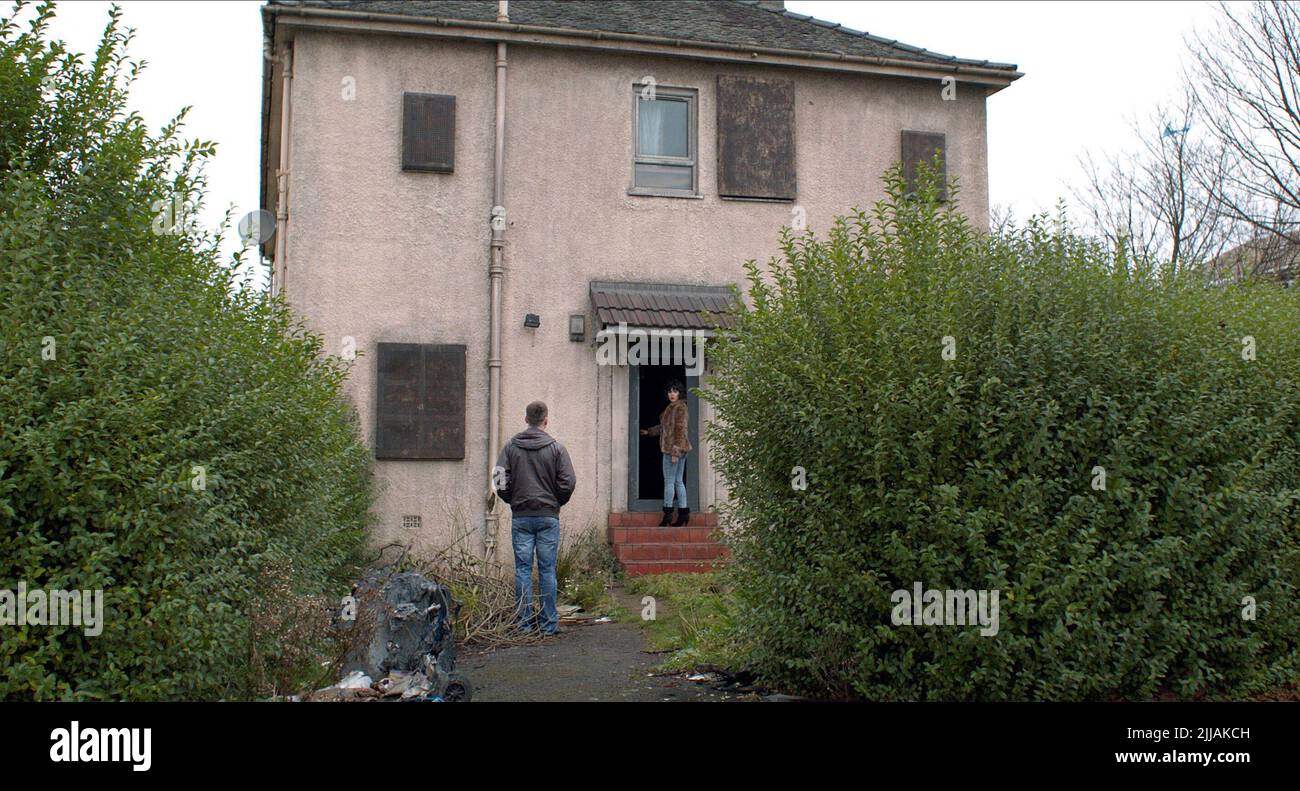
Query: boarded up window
x=756, y=138
x=428, y=132
x=921, y=147
x=420, y=404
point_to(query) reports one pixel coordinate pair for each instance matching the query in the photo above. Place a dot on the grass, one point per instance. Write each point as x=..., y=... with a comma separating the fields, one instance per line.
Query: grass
x=584, y=571
x=693, y=620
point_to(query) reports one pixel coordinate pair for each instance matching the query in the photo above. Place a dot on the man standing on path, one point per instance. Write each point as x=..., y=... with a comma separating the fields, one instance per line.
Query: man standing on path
x=535, y=476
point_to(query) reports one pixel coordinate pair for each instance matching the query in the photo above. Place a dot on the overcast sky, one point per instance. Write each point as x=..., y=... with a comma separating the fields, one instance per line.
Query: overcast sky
x=1090, y=67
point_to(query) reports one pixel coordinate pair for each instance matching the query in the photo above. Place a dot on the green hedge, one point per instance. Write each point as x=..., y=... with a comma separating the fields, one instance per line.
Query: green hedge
x=978, y=472
x=128, y=358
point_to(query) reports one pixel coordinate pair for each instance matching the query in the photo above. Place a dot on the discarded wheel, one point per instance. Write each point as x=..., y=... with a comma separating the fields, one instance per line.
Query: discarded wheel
x=458, y=690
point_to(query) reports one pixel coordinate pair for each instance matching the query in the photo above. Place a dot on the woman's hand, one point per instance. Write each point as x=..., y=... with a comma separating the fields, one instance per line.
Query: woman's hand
x=674, y=458
x=644, y=432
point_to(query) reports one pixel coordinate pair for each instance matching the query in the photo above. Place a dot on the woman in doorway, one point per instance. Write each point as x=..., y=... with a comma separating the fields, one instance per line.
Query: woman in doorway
x=674, y=446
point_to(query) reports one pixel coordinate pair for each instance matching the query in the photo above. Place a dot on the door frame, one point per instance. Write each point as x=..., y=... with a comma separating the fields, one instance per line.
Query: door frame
x=692, y=477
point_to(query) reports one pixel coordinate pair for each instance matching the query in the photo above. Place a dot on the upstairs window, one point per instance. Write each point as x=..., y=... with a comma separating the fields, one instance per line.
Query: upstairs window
x=756, y=154
x=664, y=124
x=921, y=147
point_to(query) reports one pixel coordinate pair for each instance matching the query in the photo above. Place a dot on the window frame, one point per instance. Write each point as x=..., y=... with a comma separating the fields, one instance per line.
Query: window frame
x=692, y=98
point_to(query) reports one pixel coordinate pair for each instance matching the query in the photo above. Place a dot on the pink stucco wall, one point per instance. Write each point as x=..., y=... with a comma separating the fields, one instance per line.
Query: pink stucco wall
x=377, y=254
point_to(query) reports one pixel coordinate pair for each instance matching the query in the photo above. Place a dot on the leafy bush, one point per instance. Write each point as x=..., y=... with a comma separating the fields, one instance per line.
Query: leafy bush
x=169, y=432
x=978, y=472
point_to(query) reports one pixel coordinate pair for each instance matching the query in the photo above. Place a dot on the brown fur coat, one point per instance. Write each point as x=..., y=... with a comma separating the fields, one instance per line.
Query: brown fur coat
x=671, y=430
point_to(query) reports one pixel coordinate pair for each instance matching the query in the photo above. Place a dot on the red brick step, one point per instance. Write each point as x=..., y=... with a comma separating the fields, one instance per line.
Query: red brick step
x=652, y=519
x=645, y=548
x=670, y=551
x=636, y=568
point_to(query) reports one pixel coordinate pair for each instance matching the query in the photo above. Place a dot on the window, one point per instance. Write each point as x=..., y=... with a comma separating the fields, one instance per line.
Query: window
x=756, y=154
x=420, y=406
x=921, y=147
x=428, y=132
x=664, y=141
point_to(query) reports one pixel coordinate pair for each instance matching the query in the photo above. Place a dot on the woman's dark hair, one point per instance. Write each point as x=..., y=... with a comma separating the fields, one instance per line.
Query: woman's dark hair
x=675, y=385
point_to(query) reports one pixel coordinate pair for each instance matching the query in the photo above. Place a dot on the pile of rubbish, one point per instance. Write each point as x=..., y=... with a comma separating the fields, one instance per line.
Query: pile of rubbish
x=411, y=655
x=572, y=613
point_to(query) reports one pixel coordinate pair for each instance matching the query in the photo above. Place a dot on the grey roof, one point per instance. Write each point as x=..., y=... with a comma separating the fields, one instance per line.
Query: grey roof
x=733, y=22
x=662, y=305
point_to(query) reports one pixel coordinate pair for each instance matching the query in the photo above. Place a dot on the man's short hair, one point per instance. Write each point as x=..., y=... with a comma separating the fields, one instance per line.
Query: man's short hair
x=535, y=413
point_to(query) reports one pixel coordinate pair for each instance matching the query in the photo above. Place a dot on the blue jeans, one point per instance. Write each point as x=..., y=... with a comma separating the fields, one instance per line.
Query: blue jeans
x=540, y=533
x=674, y=480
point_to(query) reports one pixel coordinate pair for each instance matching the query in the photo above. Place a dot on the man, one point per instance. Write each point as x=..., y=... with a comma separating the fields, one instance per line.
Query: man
x=535, y=476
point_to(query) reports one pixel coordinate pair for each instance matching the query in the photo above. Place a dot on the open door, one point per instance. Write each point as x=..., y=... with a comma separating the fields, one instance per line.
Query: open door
x=645, y=486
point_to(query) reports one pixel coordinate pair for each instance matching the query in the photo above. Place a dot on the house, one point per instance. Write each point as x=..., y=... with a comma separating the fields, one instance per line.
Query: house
x=1267, y=256
x=473, y=197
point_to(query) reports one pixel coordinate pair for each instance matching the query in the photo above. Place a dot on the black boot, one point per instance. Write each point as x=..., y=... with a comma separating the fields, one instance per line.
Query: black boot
x=683, y=516
x=668, y=515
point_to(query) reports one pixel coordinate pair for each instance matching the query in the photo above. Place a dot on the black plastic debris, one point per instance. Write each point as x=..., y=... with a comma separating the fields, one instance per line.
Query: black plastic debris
x=412, y=652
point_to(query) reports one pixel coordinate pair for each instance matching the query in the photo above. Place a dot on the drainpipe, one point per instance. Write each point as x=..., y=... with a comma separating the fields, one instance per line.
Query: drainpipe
x=496, y=274
x=282, y=174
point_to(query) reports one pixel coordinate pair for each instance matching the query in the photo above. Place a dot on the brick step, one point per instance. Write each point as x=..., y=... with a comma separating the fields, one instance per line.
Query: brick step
x=636, y=568
x=651, y=519
x=661, y=535
x=670, y=552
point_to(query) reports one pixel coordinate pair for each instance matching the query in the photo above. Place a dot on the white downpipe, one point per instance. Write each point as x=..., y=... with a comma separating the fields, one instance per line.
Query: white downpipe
x=496, y=276
x=282, y=174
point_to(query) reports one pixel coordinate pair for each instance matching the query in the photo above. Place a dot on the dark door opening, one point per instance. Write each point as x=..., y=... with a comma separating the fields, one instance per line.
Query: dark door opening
x=645, y=465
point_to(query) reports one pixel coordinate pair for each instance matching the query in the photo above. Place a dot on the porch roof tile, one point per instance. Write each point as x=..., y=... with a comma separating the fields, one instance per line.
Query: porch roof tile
x=663, y=305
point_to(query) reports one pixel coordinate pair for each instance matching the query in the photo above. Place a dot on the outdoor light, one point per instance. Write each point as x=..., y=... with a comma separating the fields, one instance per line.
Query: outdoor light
x=532, y=320
x=577, y=328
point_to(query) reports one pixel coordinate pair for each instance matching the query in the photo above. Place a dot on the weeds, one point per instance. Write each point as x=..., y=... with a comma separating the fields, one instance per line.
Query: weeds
x=694, y=616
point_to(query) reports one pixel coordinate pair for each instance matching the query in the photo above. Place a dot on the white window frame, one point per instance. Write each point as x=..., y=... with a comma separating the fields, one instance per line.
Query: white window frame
x=691, y=96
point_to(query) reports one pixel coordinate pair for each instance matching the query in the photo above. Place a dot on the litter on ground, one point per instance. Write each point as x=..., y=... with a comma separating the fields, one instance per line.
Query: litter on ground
x=411, y=652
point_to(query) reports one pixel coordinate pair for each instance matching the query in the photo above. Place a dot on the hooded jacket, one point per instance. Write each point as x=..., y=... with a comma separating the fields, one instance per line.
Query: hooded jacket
x=535, y=475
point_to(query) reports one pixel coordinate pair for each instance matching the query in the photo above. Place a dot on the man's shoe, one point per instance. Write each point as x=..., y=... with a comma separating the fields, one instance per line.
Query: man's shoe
x=683, y=516
x=668, y=517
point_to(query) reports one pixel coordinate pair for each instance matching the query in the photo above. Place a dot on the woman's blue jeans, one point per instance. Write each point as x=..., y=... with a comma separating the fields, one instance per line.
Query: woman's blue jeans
x=540, y=534
x=674, y=480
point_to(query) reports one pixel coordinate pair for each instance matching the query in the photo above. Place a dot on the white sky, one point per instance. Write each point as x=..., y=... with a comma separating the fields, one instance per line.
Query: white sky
x=1090, y=67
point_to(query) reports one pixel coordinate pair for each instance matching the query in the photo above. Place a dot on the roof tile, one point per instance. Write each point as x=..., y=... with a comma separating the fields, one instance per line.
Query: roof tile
x=733, y=22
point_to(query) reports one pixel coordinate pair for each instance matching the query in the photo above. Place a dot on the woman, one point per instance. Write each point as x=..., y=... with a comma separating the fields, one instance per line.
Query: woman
x=674, y=446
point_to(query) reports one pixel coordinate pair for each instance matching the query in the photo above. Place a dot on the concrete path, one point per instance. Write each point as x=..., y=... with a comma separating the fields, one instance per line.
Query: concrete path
x=587, y=662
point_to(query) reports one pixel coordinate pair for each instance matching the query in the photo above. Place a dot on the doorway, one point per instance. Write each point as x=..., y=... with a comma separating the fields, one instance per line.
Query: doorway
x=645, y=486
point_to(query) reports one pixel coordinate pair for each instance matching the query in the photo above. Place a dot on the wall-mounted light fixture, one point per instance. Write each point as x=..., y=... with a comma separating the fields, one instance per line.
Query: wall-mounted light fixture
x=577, y=328
x=532, y=321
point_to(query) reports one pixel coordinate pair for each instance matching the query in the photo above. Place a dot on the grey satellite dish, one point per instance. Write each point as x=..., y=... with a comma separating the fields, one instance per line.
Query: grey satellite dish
x=256, y=227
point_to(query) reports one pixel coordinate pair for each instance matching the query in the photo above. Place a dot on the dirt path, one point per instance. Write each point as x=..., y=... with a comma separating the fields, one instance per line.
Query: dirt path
x=587, y=662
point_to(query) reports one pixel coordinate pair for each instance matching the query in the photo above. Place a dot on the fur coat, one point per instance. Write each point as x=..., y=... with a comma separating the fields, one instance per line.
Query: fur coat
x=671, y=431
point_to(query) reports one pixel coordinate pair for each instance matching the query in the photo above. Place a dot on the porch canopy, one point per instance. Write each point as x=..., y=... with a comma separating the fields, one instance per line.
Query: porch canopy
x=663, y=306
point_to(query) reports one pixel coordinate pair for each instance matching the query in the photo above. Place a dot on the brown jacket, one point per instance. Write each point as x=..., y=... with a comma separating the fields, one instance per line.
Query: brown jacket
x=671, y=430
